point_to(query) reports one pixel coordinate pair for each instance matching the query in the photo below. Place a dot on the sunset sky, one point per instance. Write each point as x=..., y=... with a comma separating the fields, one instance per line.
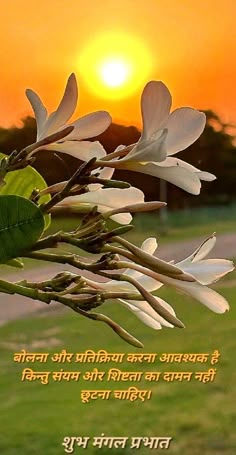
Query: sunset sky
x=115, y=47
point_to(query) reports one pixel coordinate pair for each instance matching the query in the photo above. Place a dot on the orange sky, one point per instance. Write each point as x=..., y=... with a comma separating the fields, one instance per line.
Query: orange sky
x=191, y=44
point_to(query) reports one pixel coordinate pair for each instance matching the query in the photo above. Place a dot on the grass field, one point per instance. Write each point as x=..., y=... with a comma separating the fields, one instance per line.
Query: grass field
x=200, y=417
x=186, y=224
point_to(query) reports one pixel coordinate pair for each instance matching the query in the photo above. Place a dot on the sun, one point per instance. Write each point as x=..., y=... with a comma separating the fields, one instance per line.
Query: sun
x=114, y=65
x=114, y=72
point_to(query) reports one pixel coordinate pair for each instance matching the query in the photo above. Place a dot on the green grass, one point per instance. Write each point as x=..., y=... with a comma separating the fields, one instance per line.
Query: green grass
x=200, y=417
x=185, y=224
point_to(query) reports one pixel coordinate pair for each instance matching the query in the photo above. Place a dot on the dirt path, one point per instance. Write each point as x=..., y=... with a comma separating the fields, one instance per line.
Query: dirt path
x=13, y=307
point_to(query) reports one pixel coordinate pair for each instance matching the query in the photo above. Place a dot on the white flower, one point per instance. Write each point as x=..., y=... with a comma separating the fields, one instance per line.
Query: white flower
x=141, y=308
x=205, y=271
x=106, y=199
x=90, y=125
x=165, y=134
x=146, y=313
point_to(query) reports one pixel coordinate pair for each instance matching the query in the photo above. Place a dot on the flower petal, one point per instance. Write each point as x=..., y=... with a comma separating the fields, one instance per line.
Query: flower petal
x=205, y=271
x=150, y=150
x=206, y=176
x=144, y=317
x=91, y=125
x=106, y=173
x=146, y=313
x=155, y=107
x=149, y=283
x=207, y=296
x=185, y=125
x=65, y=109
x=179, y=176
x=202, y=175
x=203, y=294
x=121, y=218
x=83, y=150
x=116, y=286
x=40, y=112
x=202, y=251
x=209, y=270
x=149, y=245
x=107, y=199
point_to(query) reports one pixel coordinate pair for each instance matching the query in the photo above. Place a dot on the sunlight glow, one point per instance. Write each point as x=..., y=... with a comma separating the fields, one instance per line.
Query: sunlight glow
x=114, y=65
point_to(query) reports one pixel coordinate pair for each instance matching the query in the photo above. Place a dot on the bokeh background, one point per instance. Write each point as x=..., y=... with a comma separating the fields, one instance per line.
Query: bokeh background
x=190, y=46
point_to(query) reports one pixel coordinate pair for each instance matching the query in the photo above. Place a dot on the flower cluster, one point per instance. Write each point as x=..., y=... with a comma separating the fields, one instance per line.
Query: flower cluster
x=120, y=269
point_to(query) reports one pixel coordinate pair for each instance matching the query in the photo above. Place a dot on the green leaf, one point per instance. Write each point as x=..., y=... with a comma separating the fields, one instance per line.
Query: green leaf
x=22, y=182
x=21, y=225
